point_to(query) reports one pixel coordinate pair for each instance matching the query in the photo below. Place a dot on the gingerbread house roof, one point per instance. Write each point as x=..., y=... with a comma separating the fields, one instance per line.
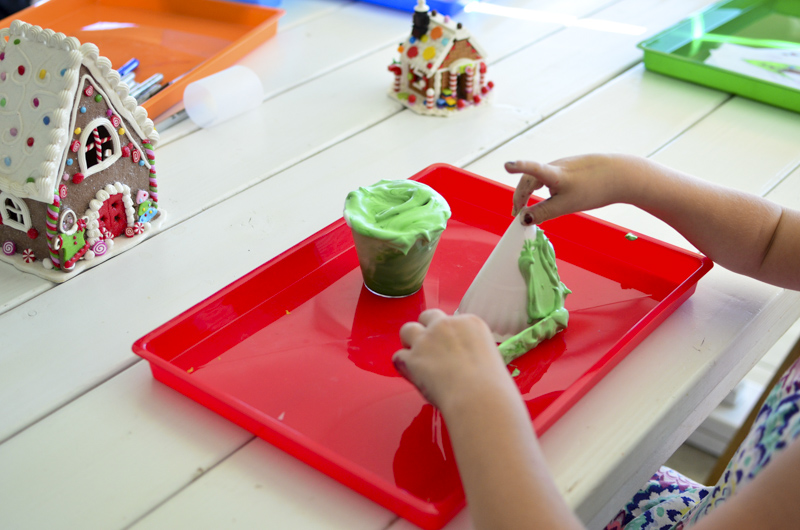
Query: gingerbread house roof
x=39, y=78
x=431, y=49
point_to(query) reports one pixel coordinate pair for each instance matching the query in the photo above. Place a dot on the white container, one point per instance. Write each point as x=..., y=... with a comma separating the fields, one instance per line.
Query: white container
x=222, y=96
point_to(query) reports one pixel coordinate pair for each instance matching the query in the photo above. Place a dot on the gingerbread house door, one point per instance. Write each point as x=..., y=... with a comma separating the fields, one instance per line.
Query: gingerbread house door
x=111, y=216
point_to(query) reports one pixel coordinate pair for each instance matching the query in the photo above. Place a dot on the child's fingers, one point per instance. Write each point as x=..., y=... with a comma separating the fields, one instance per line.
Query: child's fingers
x=399, y=361
x=409, y=332
x=527, y=185
x=429, y=316
x=535, y=175
x=543, y=211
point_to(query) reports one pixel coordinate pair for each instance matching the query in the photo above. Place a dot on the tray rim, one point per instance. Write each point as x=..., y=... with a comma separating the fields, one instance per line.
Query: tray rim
x=428, y=515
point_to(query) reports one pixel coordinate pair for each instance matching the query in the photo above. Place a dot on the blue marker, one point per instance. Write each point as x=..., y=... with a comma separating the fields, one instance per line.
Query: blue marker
x=128, y=67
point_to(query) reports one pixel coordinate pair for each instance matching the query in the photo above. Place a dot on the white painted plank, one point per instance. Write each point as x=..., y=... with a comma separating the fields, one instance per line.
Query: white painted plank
x=745, y=144
x=636, y=113
x=579, y=58
x=299, y=12
x=146, y=440
x=260, y=486
x=787, y=192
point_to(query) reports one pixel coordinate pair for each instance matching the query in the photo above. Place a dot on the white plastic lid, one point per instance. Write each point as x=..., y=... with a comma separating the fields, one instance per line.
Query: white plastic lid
x=222, y=96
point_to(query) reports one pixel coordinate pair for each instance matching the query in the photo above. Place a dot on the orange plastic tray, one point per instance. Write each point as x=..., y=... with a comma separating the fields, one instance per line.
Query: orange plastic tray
x=185, y=40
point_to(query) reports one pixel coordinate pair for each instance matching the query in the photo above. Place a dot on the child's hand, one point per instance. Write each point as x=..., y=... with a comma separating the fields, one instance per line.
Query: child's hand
x=576, y=184
x=449, y=358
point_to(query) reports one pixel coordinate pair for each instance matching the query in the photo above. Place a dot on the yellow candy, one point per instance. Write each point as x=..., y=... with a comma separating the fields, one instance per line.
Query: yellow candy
x=121, y=131
x=42, y=74
x=424, y=38
x=78, y=130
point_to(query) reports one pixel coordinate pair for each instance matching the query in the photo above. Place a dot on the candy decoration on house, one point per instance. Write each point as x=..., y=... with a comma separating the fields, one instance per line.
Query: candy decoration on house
x=75, y=153
x=442, y=68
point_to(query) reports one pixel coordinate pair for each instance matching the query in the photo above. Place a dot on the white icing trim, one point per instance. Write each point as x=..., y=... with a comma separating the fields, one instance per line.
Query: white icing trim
x=86, y=134
x=39, y=182
x=19, y=208
x=77, y=104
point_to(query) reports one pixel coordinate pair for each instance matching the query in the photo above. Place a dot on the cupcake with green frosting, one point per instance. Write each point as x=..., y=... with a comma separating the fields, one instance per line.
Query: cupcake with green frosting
x=396, y=226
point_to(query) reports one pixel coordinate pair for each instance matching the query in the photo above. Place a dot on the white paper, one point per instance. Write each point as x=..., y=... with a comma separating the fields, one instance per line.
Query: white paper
x=768, y=64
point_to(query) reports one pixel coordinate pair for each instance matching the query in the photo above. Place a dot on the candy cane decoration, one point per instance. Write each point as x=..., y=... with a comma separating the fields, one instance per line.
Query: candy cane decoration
x=482, y=70
x=397, y=71
x=429, y=99
x=51, y=222
x=470, y=79
x=151, y=159
x=98, y=145
x=453, y=81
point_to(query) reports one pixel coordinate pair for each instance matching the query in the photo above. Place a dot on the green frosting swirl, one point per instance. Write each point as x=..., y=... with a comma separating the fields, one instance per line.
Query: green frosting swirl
x=399, y=212
x=546, y=295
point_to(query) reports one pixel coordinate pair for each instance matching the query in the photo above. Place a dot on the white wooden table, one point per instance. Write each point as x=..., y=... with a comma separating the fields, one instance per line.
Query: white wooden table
x=89, y=440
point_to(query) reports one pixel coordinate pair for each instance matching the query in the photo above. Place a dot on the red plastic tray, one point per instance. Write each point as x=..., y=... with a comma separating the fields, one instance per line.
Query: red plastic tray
x=299, y=352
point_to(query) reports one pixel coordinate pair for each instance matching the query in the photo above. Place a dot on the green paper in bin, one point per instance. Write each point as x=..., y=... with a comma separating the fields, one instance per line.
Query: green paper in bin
x=681, y=50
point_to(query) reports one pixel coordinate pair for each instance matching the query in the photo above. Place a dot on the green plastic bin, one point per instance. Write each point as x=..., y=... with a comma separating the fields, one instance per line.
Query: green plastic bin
x=681, y=50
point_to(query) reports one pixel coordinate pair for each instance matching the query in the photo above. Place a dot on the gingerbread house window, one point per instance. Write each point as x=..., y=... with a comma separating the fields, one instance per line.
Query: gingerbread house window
x=14, y=212
x=100, y=146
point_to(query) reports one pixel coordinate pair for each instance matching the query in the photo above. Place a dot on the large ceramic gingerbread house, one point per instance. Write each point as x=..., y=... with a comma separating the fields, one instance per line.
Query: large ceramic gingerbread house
x=77, y=174
x=442, y=68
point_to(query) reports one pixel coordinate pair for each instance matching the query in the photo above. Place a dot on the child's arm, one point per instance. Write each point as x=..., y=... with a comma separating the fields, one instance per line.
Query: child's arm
x=742, y=232
x=454, y=362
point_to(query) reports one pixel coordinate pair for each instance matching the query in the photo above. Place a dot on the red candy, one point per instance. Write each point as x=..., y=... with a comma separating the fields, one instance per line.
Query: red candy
x=129, y=232
x=75, y=147
x=89, y=91
x=21, y=70
x=115, y=121
x=62, y=191
x=77, y=178
x=412, y=98
x=412, y=52
x=461, y=104
x=476, y=99
x=135, y=156
x=126, y=151
x=33, y=233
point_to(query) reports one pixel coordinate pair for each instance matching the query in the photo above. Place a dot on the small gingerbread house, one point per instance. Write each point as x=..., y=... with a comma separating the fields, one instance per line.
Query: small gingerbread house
x=77, y=174
x=442, y=68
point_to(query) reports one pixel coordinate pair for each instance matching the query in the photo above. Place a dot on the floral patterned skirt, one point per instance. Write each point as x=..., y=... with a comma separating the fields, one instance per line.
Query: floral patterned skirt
x=670, y=501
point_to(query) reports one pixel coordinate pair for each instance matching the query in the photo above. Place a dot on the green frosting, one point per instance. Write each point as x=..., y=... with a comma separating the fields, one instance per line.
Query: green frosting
x=398, y=212
x=546, y=296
